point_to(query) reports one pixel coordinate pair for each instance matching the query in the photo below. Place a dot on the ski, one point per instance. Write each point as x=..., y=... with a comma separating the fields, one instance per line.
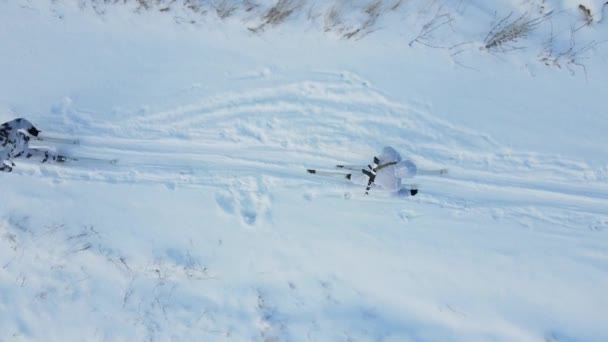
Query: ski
x=58, y=140
x=405, y=191
x=379, y=195
x=439, y=172
x=328, y=173
x=91, y=159
x=350, y=167
x=419, y=172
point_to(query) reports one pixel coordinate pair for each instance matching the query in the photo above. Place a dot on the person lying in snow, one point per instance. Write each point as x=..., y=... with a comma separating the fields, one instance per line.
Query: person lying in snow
x=386, y=172
x=14, y=143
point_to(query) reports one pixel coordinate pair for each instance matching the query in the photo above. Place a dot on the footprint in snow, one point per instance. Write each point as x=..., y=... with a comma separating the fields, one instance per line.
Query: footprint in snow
x=249, y=201
x=407, y=215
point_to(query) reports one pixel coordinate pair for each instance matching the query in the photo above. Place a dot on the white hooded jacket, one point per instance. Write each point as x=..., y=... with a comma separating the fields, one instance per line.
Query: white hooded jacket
x=391, y=170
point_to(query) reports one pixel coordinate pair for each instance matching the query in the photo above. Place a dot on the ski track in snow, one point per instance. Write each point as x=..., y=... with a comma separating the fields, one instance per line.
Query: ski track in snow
x=244, y=145
x=248, y=147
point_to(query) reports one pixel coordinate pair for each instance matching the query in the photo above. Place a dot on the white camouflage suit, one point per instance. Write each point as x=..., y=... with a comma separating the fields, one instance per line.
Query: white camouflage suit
x=14, y=143
x=391, y=169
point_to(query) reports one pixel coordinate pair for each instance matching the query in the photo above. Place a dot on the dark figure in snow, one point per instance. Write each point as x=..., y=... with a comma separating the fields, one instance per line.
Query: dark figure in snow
x=15, y=136
x=386, y=172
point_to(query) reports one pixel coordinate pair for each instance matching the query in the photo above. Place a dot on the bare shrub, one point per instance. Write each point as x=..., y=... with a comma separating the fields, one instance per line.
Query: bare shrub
x=426, y=34
x=225, y=9
x=195, y=6
x=570, y=58
x=588, y=16
x=507, y=32
x=396, y=5
x=427, y=37
x=277, y=14
x=249, y=5
x=313, y=13
x=143, y=4
x=373, y=11
x=586, y=13
x=334, y=20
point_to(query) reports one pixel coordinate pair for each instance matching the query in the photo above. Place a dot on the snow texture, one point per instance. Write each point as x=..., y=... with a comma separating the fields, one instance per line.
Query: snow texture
x=209, y=229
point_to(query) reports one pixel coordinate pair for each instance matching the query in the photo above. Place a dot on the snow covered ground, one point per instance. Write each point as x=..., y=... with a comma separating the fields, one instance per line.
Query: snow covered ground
x=209, y=229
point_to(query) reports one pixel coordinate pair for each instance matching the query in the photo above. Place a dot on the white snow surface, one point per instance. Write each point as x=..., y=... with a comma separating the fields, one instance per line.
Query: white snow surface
x=209, y=228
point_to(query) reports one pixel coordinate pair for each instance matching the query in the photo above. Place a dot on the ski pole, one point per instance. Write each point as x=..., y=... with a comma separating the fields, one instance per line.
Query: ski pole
x=58, y=140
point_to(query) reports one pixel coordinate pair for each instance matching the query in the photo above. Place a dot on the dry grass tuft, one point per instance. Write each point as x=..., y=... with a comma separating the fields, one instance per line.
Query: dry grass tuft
x=277, y=14
x=507, y=31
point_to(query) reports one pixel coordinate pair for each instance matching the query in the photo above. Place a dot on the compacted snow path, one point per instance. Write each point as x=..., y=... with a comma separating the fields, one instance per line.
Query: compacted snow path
x=268, y=132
